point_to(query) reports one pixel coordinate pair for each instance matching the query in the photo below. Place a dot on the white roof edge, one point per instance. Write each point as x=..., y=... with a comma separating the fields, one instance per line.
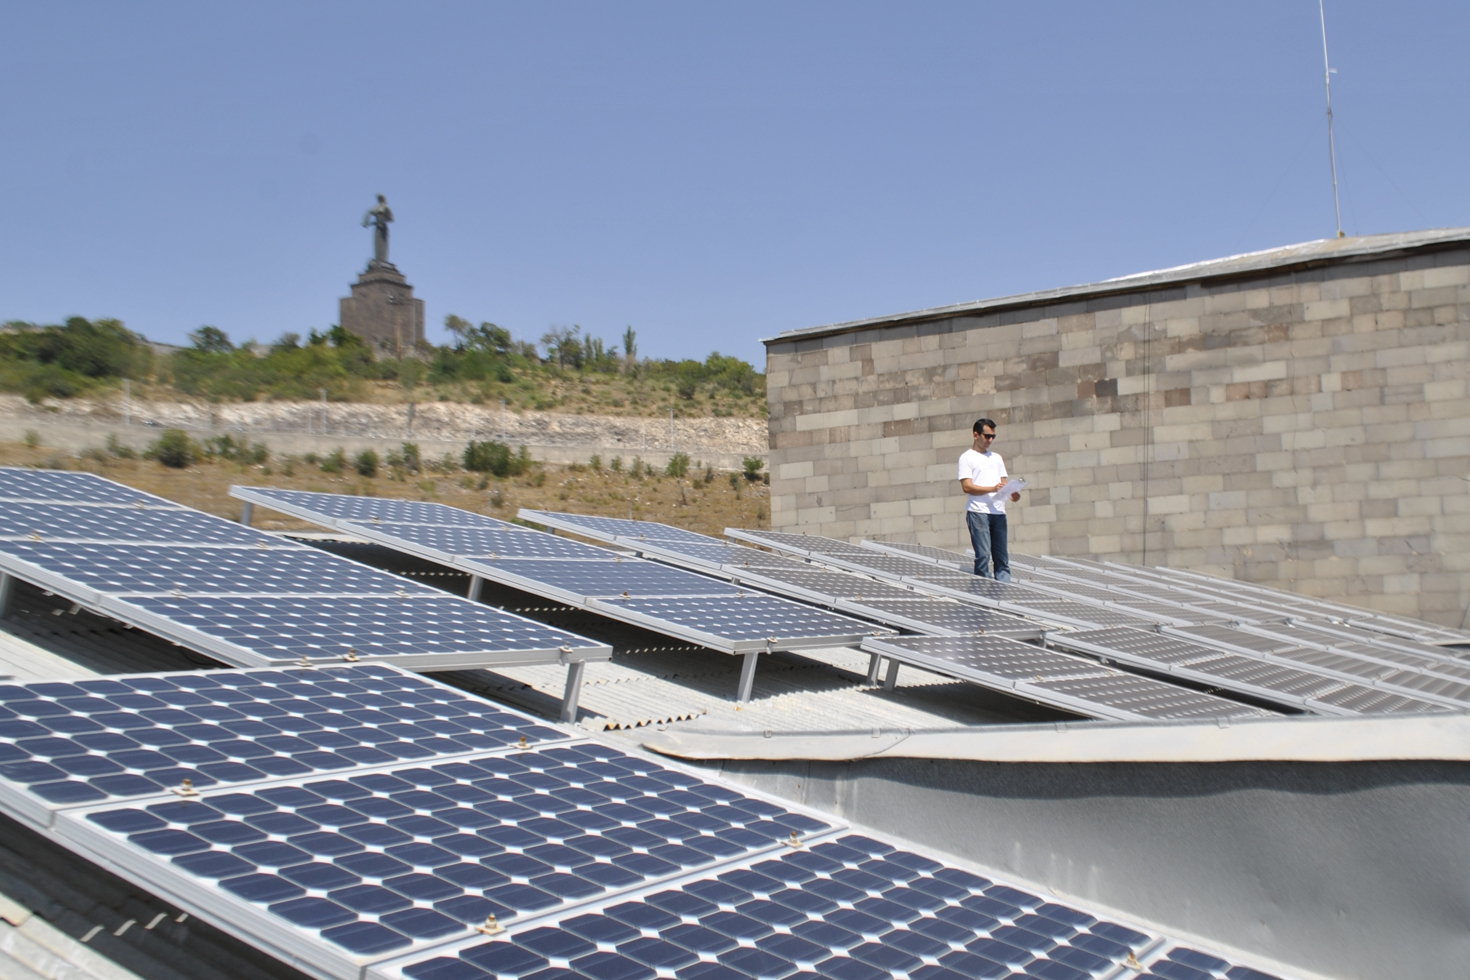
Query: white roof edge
x=1443, y=737
x=1321, y=251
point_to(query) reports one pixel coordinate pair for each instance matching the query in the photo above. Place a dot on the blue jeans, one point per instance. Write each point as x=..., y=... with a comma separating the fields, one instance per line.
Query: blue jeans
x=988, y=538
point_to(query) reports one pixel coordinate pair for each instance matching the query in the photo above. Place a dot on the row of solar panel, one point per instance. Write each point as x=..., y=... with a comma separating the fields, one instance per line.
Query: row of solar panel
x=339, y=816
x=376, y=861
x=241, y=596
x=1306, y=683
x=1339, y=681
x=691, y=607
x=979, y=645
x=1299, y=685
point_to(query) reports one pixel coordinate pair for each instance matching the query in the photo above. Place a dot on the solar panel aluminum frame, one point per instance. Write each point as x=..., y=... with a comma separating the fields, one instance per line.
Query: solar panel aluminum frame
x=750, y=537
x=1155, y=944
x=17, y=802
x=300, y=946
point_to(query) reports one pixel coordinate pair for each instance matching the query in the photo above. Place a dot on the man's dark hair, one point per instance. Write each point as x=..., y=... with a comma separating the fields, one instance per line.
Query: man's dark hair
x=982, y=423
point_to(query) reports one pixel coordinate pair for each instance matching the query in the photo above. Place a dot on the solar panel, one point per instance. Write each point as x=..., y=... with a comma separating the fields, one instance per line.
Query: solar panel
x=853, y=908
x=78, y=522
x=65, y=743
x=1056, y=679
x=380, y=509
x=936, y=556
x=127, y=569
x=743, y=624
x=1276, y=681
x=576, y=581
x=341, y=871
x=674, y=602
x=58, y=486
x=483, y=542
x=244, y=597
x=819, y=585
x=937, y=617
x=433, y=632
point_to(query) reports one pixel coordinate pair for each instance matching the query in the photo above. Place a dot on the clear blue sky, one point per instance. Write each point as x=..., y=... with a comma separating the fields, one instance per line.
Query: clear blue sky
x=709, y=174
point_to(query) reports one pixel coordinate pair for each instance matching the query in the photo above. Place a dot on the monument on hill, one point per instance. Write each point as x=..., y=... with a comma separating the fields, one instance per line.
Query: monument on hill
x=381, y=309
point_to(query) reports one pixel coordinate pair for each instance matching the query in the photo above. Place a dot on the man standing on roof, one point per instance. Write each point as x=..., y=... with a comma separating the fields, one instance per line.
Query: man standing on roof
x=982, y=477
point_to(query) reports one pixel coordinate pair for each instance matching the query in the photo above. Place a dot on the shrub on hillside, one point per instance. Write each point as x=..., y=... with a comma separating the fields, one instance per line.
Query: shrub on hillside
x=678, y=465
x=496, y=458
x=366, y=463
x=174, y=449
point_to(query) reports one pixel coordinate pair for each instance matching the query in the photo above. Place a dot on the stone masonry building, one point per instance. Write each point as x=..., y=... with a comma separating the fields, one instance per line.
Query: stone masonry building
x=1297, y=417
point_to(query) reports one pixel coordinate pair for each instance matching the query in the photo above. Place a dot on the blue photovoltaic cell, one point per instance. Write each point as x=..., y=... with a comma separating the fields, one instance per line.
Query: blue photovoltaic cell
x=850, y=909
x=124, y=569
x=474, y=542
x=749, y=618
x=48, y=522
x=74, y=742
x=609, y=578
x=17, y=483
x=369, y=509
x=373, y=862
x=330, y=627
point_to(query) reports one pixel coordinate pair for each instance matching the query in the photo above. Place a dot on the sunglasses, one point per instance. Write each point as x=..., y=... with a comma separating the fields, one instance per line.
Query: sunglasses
x=987, y=435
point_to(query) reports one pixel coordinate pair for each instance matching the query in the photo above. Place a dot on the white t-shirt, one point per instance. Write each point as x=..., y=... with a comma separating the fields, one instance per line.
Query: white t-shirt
x=984, y=470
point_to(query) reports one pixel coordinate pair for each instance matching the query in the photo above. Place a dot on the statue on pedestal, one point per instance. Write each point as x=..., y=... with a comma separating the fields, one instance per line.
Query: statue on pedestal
x=382, y=309
x=379, y=217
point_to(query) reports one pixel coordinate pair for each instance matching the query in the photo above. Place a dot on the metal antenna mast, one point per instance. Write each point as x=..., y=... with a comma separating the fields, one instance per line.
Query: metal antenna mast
x=1331, y=146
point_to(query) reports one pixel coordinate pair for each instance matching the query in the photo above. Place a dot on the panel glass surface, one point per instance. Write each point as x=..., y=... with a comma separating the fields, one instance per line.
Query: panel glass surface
x=749, y=617
x=938, y=614
x=615, y=578
x=371, y=509
x=330, y=628
x=834, y=585
x=157, y=569
x=373, y=862
x=849, y=909
x=21, y=483
x=473, y=542
x=52, y=522
x=719, y=555
x=941, y=555
x=71, y=742
x=610, y=528
x=1071, y=683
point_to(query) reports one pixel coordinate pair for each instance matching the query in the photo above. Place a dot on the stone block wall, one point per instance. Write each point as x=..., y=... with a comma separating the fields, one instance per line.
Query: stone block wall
x=1306, y=429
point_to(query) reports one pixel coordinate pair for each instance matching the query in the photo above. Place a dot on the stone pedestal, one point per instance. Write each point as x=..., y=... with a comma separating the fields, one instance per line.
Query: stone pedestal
x=382, y=310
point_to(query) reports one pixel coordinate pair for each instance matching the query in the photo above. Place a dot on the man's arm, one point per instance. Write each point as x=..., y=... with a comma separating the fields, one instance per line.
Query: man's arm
x=970, y=487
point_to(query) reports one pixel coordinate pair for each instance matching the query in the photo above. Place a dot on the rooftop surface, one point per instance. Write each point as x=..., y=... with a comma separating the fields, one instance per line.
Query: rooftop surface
x=1306, y=255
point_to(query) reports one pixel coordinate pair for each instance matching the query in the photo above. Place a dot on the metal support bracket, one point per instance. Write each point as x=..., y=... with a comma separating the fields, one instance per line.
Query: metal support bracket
x=891, y=681
x=7, y=592
x=247, y=513
x=747, y=676
x=476, y=584
x=874, y=661
x=573, y=691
